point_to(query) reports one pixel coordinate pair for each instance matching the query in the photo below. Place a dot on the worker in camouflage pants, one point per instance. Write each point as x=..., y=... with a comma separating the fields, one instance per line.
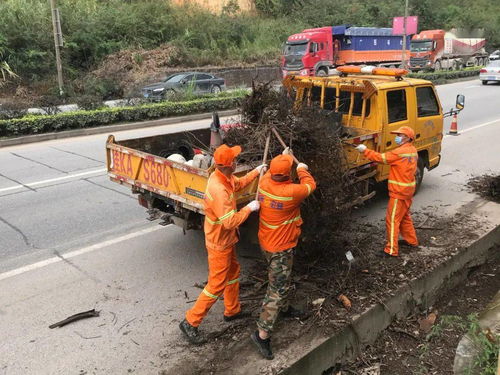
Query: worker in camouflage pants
x=279, y=232
x=279, y=266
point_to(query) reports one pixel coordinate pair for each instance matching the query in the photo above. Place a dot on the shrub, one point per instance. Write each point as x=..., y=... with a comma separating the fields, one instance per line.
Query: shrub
x=88, y=102
x=442, y=76
x=13, y=108
x=85, y=119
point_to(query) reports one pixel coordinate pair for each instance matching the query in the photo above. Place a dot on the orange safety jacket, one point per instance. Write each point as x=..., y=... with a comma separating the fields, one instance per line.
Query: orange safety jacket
x=403, y=162
x=280, y=221
x=221, y=217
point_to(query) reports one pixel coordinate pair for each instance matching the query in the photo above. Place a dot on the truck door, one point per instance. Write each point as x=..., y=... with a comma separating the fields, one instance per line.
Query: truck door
x=396, y=102
x=429, y=123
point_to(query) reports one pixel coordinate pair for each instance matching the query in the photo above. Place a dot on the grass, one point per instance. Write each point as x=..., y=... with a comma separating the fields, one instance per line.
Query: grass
x=487, y=349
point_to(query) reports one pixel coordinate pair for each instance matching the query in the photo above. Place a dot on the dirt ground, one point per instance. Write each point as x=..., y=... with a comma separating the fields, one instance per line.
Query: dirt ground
x=417, y=346
x=317, y=284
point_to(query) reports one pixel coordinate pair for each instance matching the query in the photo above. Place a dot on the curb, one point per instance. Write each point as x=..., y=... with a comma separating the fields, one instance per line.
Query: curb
x=110, y=128
x=365, y=329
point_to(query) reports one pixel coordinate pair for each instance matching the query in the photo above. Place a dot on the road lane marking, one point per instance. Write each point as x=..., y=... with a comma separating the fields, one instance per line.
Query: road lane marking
x=43, y=182
x=474, y=128
x=75, y=253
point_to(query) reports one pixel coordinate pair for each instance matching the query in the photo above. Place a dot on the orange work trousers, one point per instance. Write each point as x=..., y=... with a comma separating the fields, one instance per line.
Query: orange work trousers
x=223, y=278
x=398, y=221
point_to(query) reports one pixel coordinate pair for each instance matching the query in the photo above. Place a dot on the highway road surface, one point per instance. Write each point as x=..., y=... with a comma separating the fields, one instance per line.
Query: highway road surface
x=70, y=241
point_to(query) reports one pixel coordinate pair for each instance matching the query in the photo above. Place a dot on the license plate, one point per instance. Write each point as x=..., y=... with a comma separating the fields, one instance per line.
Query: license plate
x=492, y=78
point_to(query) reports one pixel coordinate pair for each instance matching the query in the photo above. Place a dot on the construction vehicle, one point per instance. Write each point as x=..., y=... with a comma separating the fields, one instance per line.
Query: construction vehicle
x=452, y=50
x=316, y=52
x=369, y=102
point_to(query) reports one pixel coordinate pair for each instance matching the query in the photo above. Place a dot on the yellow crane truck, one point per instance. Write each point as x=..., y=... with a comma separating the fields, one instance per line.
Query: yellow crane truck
x=371, y=102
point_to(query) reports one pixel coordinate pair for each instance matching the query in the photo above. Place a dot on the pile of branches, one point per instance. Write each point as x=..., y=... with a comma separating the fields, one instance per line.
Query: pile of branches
x=315, y=136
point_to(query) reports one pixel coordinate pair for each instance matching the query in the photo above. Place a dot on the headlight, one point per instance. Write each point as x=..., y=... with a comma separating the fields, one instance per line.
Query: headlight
x=159, y=90
x=428, y=63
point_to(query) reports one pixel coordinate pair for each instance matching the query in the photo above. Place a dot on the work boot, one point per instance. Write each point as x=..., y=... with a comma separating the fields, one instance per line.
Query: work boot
x=264, y=346
x=407, y=244
x=240, y=315
x=191, y=333
x=383, y=254
x=292, y=312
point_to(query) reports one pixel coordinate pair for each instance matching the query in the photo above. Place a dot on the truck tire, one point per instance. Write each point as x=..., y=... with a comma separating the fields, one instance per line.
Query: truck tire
x=437, y=66
x=419, y=173
x=322, y=72
x=480, y=61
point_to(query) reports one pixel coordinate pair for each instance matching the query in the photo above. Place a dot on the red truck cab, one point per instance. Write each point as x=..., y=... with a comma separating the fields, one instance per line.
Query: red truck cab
x=426, y=48
x=304, y=51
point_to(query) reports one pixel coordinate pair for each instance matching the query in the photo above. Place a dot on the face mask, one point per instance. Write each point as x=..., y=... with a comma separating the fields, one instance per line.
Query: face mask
x=398, y=139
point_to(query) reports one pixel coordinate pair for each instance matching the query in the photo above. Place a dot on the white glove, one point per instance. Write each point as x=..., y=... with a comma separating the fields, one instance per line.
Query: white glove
x=302, y=165
x=261, y=167
x=253, y=206
x=361, y=148
x=287, y=151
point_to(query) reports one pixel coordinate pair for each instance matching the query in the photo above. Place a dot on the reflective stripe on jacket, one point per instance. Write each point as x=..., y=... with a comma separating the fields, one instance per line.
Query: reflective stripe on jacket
x=403, y=162
x=221, y=216
x=280, y=221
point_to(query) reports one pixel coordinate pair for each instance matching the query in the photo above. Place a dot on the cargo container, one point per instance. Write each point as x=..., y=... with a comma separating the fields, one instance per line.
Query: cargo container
x=314, y=52
x=453, y=50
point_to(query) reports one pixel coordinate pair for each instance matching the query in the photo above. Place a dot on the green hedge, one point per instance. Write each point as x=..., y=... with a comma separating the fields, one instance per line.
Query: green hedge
x=445, y=75
x=35, y=124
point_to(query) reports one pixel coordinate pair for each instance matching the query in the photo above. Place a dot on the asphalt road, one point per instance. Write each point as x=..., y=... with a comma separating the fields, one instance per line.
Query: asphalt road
x=71, y=240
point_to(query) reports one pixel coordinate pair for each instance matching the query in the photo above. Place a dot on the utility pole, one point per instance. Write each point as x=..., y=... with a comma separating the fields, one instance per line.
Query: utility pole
x=58, y=42
x=403, y=60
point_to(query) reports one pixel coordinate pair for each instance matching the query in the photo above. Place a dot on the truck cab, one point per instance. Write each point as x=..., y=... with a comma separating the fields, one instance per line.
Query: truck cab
x=426, y=48
x=377, y=101
x=304, y=52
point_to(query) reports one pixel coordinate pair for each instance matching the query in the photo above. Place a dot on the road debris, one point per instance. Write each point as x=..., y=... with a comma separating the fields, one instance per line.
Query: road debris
x=73, y=318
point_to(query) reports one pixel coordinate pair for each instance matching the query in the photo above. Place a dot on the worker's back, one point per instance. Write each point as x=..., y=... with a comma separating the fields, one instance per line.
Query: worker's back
x=280, y=221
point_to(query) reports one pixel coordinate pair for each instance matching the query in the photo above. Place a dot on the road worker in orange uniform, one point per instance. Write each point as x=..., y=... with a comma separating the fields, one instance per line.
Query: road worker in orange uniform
x=279, y=231
x=403, y=162
x=221, y=235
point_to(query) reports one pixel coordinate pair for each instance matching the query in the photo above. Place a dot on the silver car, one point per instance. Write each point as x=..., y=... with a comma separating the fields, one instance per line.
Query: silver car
x=495, y=55
x=490, y=73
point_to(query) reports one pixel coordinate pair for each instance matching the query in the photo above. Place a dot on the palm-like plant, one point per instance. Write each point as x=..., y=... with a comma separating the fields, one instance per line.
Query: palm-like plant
x=6, y=73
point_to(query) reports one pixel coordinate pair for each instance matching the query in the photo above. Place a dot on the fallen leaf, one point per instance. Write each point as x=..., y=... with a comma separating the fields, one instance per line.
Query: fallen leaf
x=345, y=301
x=427, y=323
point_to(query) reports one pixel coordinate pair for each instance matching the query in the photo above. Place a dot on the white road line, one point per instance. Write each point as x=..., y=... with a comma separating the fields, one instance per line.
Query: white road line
x=474, y=127
x=470, y=87
x=72, y=254
x=43, y=182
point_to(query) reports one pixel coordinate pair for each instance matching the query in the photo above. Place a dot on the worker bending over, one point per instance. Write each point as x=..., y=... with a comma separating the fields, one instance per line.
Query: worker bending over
x=221, y=224
x=279, y=231
x=403, y=162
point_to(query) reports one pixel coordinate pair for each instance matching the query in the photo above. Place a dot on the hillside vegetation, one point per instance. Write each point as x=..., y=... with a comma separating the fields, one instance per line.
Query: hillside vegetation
x=94, y=29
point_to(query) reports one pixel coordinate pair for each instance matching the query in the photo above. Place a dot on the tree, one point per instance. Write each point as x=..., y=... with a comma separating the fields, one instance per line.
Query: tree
x=7, y=73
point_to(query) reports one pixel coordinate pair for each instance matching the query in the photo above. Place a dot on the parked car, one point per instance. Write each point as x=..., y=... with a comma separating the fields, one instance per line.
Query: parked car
x=495, y=55
x=200, y=83
x=490, y=73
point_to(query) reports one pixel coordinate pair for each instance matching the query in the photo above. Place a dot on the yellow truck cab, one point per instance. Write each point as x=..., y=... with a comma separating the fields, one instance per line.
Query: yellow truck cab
x=379, y=102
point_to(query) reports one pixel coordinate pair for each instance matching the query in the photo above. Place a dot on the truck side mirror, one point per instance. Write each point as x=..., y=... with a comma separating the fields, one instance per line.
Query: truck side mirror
x=460, y=104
